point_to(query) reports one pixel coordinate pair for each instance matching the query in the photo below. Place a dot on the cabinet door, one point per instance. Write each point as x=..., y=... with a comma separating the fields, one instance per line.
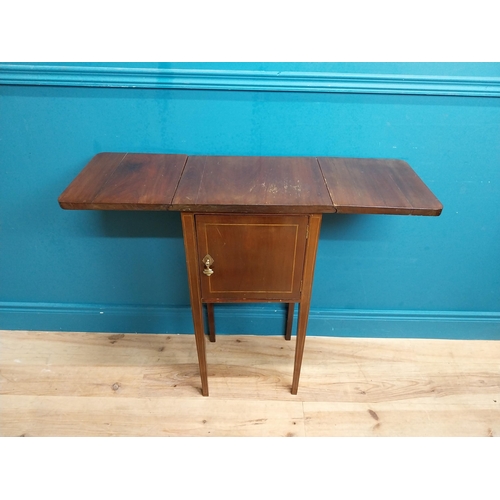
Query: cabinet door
x=255, y=257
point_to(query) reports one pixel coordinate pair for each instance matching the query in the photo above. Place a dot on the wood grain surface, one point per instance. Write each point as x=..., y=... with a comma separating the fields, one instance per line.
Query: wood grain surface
x=242, y=184
x=88, y=384
x=252, y=183
x=125, y=181
x=376, y=186
x=256, y=257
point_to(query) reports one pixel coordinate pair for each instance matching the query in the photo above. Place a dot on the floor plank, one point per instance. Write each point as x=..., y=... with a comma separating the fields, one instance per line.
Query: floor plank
x=401, y=419
x=95, y=416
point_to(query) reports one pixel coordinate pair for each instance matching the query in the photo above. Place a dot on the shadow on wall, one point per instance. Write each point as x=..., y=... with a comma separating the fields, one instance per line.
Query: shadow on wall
x=359, y=227
x=134, y=224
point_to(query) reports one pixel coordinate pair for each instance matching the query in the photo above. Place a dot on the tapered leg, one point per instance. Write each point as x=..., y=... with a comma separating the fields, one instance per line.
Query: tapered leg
x=199, y=335
x=211, y=322
x=289, y=321
x=305, y=300
x=193, y=269
x=300, y=342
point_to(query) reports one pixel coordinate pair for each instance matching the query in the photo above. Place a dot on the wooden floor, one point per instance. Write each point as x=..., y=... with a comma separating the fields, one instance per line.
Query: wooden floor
x=87, y=384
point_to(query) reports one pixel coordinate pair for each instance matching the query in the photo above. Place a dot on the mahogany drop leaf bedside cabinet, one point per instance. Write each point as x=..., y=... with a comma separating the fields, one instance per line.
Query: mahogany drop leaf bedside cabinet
x=251, y=224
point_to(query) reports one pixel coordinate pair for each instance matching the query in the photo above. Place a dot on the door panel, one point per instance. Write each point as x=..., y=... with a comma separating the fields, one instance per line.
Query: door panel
x=255, y=257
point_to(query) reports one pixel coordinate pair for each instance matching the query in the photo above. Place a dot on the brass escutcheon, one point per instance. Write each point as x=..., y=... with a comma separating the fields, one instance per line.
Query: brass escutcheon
x=208, y=261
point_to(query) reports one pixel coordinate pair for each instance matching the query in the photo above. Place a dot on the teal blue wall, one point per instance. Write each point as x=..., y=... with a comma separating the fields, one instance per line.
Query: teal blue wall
x=375, y=275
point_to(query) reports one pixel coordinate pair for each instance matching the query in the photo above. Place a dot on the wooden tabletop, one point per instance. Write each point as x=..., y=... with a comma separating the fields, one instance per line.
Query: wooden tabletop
x=125, y=181
x=374, y=186
x=252, y=183
x=242, y=184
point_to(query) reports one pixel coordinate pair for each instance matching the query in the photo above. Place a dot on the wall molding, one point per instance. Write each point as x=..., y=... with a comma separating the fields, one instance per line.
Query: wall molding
x=253, y=319
x=282, y=81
